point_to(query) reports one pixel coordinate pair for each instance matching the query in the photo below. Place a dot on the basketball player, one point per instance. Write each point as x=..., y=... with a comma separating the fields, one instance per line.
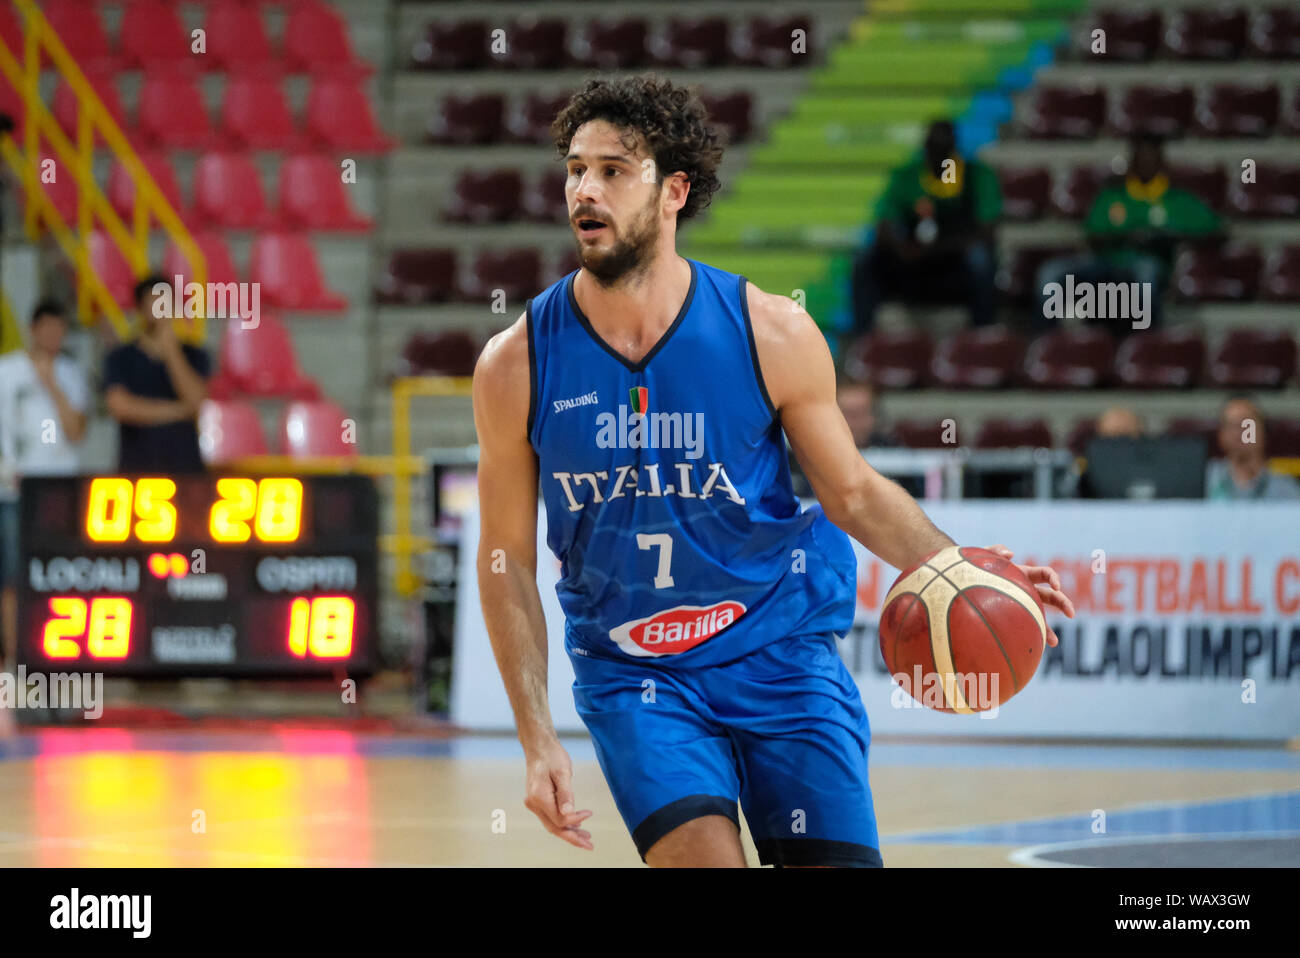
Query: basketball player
x=652, y=395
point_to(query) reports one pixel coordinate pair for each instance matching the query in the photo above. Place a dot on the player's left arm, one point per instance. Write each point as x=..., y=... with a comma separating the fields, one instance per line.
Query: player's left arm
x=800, y=378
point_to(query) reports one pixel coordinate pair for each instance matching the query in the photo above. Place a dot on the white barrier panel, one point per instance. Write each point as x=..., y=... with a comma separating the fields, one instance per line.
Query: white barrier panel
x=1188, y=625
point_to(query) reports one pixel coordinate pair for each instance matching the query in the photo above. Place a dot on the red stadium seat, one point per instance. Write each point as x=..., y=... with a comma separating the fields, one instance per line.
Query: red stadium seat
x=486, y=196
x=313, y=196
x=923, y=435
x=515, y=272
x=286, y=266
x=1291, y=116
x=1230, y=273
x=458, y=45
x=985, y=358
x=66, y=106
x=237, y=40
x=228, y=192
x=228, y=430
x=534, y=43
x=1209, y=183
x=1025, y=192
x=1161, y=359
x=172, y=114
x=732, y=112
x=1066, y=112
x=12, y=105
x=1165, y=110
x=1131, y=35
x=890, y=359
x=1280, y=281
x=151, y=35
x=1073, y=194
x=62, y=192
x=1275, y=193
x=316, y=41
x=316, y=428
x=1207, y=33
x=1275, y=33
x=764, y=42
x=339, y=117
x=609, y=45
x=1016, y=280
x=111, y=268
x=691, y=44
x=544, y=201
x=220, y=264
x=121, y=185
x=418, y=276
x=1071, y=359
x=79, y=26
x=1011, y=434
x=565, y=263
x=448, y=353
x=260, y=361
x=255, y=115
x=1254, y=359
x=11, y=30
x=529, y=120
x=465, y=120
x=1239, y=110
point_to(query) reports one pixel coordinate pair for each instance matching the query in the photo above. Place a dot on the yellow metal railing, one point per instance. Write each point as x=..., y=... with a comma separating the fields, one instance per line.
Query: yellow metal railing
x=93, y=120
x=405, y=543
x=10, y=336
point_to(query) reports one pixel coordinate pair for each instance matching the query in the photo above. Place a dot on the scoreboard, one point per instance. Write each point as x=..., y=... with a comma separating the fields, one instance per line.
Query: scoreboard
x=199, y=575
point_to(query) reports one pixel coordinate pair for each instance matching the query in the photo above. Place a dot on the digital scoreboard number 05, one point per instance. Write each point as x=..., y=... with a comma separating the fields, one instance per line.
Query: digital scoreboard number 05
x=198, y=575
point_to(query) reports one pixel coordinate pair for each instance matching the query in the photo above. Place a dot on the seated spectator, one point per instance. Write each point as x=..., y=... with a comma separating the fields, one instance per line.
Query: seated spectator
x=1243, y=471
x=1133, y=229
x=934, y=235
x=1115, y=422
x=43, y=403
x=860, y=406
x=153, y=387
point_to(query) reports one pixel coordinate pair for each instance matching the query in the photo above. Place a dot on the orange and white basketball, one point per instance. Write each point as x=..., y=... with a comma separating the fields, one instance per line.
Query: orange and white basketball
x=963, y=630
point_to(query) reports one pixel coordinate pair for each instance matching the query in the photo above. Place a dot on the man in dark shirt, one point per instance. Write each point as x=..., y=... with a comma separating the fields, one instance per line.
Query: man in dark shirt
x=153, y=387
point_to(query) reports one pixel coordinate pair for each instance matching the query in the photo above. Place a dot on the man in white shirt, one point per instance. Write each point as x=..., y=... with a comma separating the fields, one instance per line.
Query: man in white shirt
x=43, y=402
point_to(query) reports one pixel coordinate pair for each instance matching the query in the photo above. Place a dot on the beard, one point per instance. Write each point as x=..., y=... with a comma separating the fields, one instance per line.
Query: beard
x=628, y=255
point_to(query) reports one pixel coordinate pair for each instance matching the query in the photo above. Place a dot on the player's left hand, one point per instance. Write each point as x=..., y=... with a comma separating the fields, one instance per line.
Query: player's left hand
x=1048, y=584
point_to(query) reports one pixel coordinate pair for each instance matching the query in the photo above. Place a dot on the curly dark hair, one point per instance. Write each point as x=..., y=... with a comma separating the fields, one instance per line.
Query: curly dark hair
x=670, y=118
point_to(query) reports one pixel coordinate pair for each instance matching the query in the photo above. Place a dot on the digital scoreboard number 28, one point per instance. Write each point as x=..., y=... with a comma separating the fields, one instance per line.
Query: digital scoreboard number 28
x=199, y=575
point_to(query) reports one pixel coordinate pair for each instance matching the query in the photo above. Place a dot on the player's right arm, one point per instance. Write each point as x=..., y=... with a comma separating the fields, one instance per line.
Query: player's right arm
x=507, y=574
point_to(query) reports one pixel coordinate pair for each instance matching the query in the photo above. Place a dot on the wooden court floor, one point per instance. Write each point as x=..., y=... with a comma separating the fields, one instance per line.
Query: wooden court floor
x=114, y=797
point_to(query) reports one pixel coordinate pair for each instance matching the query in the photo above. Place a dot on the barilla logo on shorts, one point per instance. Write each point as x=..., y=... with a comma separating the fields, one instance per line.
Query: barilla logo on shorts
x=675, y=630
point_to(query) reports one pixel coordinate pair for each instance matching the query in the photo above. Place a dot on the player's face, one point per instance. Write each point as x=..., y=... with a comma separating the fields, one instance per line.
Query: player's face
x=614, y=209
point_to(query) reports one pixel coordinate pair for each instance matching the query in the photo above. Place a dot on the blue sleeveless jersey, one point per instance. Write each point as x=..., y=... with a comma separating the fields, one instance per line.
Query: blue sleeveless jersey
x=667, y=488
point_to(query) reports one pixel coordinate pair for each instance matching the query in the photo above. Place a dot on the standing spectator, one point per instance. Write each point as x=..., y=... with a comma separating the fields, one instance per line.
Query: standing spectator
x=43, y=402
x=934, y=234
x=1243, y=473
x=153, y=387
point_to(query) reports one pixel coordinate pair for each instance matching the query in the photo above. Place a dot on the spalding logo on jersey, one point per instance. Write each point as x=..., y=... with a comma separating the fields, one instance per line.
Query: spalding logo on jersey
x=675, y=630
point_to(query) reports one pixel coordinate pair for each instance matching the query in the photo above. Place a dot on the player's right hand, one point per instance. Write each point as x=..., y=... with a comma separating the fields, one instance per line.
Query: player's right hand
x=549, y=785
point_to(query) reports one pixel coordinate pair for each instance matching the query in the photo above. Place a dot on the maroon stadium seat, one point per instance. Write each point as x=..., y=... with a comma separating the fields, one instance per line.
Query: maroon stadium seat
x=610, y=44
x=1254, y=359
x=544, y=200
x=171, y=113
x=260, y=361
x=1073, y=194
x=1071, y=359
x=255, y=114
x=1280, y=281
x=1165, y=110
x=1209, y=183
x=1231, y=109
x=732, y=112
x=12, y=104
x=1025, y=192
x=418, y=276
x=315, y=40
x=286, y=266
x=890, y=359
x=922, y=435
x=1013, y=434
x=1016, y=280
x=529, y=120
x=237, y=41
x=1291, y=115
x=112, y=268
x=1282, y=437
x=121, y=185
x=313, y=196
x=566, y=263
x=516, y=272
x=1207, y=33
x=1066, y=112
x=1161, y=359
x=459, y=45
x=311, y=428
x=220, y=264
x=535, y=43
x=11, y=30
x=486, y=196
x=339, y=116
x=447, y=353
x=691, y=44
x=769, y=42
x=79, y=26
x=1080, y=433
x=1275, y=192
x=985, y=358
x=466, y=120
x=1226, y=274
x=66, y=104
x=1131, y=35
x=230, y=429
x=1275, y=33
x=228, y=192
x=151, y=35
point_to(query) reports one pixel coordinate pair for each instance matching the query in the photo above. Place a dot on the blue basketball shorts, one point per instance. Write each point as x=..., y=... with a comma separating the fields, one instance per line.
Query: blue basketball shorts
x=781, y=730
